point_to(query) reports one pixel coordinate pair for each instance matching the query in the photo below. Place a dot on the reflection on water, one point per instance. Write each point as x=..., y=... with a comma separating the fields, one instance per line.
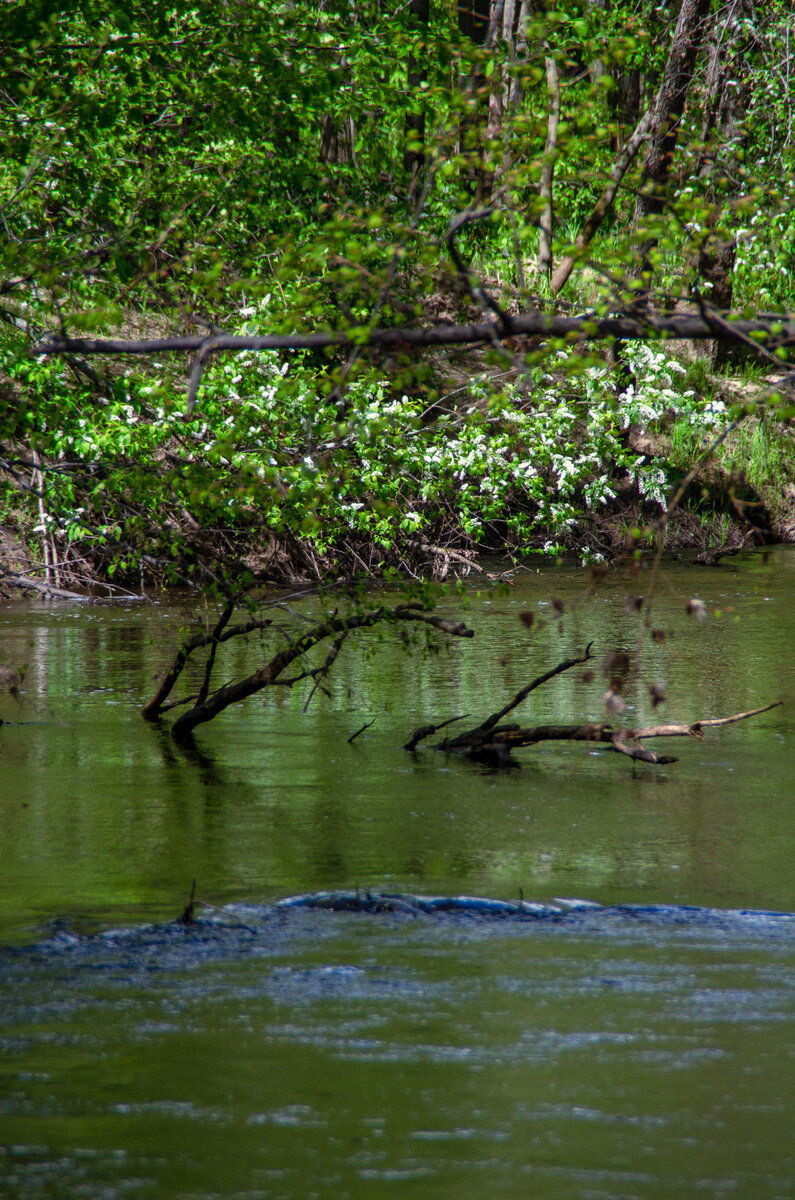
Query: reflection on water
x=285, y=1051
x=101, y=813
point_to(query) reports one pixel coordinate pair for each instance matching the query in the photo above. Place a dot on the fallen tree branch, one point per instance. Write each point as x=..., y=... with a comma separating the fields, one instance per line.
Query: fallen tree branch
x=354, y=736
x=496, y=747
x=774, y=331
x=694, y=728
x=482, y=733
x=157, y=705
x=640, y=753
x=208, y=705
x=426, y=731
x=779, y=327
x=320, y=673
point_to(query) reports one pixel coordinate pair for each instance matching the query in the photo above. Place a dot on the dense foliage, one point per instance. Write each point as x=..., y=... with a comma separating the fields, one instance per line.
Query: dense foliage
x=265, y=167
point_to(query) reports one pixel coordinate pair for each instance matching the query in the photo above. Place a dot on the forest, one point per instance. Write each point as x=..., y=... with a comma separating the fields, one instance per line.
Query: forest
x=304, y=293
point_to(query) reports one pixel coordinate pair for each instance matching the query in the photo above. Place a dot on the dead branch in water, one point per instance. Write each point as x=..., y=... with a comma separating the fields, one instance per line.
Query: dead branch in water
x=492, y=743
x=209, y=702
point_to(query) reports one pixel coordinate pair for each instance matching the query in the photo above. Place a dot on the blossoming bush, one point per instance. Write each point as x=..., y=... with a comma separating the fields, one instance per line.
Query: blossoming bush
x=515, y=465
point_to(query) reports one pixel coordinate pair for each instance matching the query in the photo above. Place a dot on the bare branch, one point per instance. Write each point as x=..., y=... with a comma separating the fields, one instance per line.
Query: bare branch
x=215, y=636
x=354, y=736
x=426, y=731
x=322, y=671
x=156, y=705
x=482, y=732
x=494, y=745
x=694, y=728
x=270, y=674
x=640, y=753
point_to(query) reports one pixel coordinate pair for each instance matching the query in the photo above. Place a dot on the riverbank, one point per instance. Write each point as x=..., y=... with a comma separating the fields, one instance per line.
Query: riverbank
x=268, y=481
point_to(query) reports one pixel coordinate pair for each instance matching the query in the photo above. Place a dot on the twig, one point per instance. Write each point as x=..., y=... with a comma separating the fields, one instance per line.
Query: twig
x=322, y=671
x=426, y=731
x=354, y=736
x=223, y=621
x=479, y=735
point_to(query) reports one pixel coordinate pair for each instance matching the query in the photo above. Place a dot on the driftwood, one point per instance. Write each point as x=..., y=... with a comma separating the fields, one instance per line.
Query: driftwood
x=492, y=743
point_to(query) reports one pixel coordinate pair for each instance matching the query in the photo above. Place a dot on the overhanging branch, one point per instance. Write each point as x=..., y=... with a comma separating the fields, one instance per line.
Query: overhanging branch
x=775, y=329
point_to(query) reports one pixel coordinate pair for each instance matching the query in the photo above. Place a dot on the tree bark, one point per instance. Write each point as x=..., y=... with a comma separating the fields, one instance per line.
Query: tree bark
x=668, y=111
x=548, y=169
x=413, y=158
x=338, y=141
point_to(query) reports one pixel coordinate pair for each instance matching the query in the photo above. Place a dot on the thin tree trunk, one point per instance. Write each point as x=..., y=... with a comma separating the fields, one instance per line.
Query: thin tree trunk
x=476, y=20
x=723, y=135
x=605, y=201
x=504, y=21
x=668, y=110
x=414, y=157
x=548, y=170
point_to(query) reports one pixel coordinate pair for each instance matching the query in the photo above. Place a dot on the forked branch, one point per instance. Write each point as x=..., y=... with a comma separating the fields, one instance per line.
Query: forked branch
x=492, y=743
x=210, y=703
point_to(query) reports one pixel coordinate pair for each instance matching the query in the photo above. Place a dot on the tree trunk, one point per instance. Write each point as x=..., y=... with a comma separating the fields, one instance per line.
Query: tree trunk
x=504, y=31
x=337, y=141
x=668, y=109
x=414, y=153
x=476, y=22
x=723, y=135
x=626, y=98
x=548, y=170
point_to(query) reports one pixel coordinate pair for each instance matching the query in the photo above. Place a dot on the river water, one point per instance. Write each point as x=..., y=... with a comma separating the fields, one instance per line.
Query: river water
x=636, y=1045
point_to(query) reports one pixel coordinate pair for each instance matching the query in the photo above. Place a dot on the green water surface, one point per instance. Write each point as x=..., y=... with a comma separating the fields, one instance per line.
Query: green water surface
x=340, y=1055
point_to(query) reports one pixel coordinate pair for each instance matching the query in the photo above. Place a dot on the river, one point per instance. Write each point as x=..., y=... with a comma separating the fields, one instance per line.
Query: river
x=634, y=1040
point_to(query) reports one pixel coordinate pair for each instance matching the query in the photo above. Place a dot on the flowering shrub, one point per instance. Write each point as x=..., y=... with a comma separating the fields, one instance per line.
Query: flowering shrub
x=765, y=254
x=517, y=464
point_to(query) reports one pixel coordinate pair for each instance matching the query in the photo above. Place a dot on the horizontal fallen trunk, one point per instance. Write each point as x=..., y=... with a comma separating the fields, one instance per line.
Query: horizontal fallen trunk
x=771, y=331
x=622, y=740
